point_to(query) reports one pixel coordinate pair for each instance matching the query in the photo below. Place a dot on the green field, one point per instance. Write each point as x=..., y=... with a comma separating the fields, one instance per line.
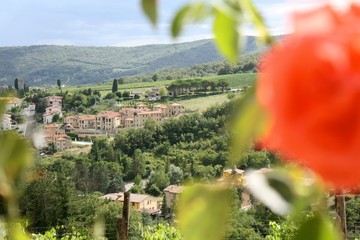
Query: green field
x=201, y=103
x=235, y=80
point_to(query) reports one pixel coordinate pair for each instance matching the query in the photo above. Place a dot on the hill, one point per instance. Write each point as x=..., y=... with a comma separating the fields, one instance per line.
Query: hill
x=44, y=64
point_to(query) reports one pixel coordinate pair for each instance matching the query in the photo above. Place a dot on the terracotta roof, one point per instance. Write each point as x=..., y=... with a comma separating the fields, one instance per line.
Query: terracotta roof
x=61, y=139
x=160, y=106
x=52, y=125
x=127, y=110
x=54, y=97
x=120, y=197
x=87, y=117
x=54, y=107
x=175, y=104
x=149, y=113
x=174, y=189
x=71, y=117
x=48, y=114
x=108, y=114
x=5, y=118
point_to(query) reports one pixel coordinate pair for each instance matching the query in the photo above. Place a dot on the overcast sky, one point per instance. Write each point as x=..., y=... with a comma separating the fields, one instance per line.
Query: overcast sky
x=113, y=22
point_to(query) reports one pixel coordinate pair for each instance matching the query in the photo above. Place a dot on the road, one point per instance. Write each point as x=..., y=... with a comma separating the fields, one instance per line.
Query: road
x=29, y=126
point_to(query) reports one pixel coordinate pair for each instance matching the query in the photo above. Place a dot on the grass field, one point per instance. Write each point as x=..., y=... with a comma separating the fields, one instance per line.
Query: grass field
x=201, y=103
x=235, y=80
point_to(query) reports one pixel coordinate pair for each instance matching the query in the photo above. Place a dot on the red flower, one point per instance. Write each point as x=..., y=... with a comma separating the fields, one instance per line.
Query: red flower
x=310, y=86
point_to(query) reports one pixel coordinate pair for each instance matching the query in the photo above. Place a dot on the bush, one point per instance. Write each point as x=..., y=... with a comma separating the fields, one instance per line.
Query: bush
x=110, y=96
x=73, y=135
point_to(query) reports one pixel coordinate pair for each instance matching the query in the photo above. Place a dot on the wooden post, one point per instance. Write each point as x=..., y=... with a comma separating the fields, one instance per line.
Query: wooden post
x=341, y=214
x=123, y=222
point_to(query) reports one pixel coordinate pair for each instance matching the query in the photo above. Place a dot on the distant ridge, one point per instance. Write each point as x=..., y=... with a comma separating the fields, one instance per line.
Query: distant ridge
x=44, y=64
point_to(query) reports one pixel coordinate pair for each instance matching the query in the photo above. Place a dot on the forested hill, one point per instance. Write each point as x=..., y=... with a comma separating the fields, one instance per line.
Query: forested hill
x=44, y=64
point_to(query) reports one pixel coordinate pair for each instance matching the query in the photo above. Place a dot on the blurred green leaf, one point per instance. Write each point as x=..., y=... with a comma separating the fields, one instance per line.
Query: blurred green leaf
x=17, y=232
x=318, y=227
x=150, y=9
x=15, y=157
x=178, y=21
x=2, y=105
x=248, y=124
x=190, y=13
x=226, y=34
x=203, y=212
x=253, y=15
x=281, y=183
x=274, y=192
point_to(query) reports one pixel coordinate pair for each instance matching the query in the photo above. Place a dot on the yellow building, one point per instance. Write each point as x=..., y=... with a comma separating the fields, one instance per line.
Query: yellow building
x=108, y=121
x=141, y=202
x=87, y=121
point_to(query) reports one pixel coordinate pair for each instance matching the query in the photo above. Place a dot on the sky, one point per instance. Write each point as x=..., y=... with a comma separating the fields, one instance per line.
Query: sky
x=116, y=22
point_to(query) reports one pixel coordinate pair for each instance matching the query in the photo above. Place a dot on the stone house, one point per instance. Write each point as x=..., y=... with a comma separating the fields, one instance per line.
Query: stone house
x=141, y=202
x=172, y=192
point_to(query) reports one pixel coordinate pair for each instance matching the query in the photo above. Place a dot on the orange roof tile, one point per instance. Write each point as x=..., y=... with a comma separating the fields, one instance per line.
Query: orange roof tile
x=87, y=117
x=149, y=113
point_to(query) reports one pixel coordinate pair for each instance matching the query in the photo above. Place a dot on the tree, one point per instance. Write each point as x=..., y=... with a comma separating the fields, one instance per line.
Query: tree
x=138, y=167
x=175, y=174
x=213, y=86
x=225, y=70
x=158, y=180
x=126, y=94
x=115, y=86
x=165, y=210
x=58, y=82
x=110, y=96
x=16, y=84
x=173, y=89
x=163, y=92
x=205, y=84
x=121, y=80
x=56, y=118
x=118, y=94
x=223, y=84
x=116, y=185
x=155, y=77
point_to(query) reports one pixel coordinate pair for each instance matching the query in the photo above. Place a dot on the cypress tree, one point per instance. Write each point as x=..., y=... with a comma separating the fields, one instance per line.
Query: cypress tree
x=115, y=86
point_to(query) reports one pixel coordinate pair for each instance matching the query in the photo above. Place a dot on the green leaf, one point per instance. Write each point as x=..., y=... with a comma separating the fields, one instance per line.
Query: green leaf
x=15, y=158
x=178, y=21
x=282, y=184
x=253, y=15
x=273, y=189
x=190, y=13
x=226, y=34
x=203, y=212
x=17, y=232
x=150, y=9
x=317, y=228
x=248, y=124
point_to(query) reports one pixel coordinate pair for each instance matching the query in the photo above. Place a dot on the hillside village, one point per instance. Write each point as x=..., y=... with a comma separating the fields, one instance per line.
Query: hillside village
x=103, y=123
x=87, y=126
x=97, y=148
